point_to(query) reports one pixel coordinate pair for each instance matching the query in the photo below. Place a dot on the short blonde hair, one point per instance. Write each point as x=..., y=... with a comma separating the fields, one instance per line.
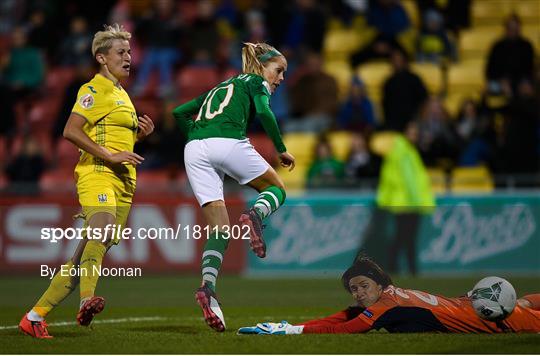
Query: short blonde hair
x=255, y=55
x=102, y=42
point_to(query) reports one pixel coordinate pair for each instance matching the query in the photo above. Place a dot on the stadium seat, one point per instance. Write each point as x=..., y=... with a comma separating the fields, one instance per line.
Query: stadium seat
x=58, y=78
x=228, y=73
x=5, y=43
x=154, y=180
x=411, y=9
x=334, y=24
x=193, y=81
x=43, y=141
x=431, y=75
x=150, y=106
x=466, y=78
x=45, y=144
x=3, y=180
x=476, y=42
x=67, y=154
x=471, y=180
x=493, y=12
x=532, y=33
x=374, y=74
x=527, y=10
x=58, y=180
x=452, y=103
x=301, y=145
x=3, y=151
x=339, y=44
x=342, y=73
x=340, y=141
x=437, y=177
x=264, y=145
x=188, y=10
x=296, y=179
x=43, y=113
x=489, y=12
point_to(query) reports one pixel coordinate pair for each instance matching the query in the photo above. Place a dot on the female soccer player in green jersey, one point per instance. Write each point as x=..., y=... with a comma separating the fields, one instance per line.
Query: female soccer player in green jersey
x=217, y=145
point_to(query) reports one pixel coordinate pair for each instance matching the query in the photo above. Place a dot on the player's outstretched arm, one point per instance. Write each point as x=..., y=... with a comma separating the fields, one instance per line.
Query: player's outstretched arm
x=269, y=328
x=268, y=121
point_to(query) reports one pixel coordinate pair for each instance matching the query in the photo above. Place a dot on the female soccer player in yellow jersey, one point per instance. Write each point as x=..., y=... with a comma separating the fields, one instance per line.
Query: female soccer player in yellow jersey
x=105, y=127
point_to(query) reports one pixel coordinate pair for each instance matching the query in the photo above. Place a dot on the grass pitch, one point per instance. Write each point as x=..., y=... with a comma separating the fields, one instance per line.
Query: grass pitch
x=159, y=315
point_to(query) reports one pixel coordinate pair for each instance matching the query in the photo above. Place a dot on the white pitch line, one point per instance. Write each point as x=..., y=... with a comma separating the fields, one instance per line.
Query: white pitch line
x=157, y=318
x=102, y=321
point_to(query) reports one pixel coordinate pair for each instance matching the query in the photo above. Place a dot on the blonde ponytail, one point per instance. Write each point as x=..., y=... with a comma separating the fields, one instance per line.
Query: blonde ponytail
x=254, y=55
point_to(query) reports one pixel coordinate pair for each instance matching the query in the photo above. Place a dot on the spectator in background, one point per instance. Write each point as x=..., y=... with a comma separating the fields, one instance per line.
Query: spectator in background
x=404, y=194
x=357, y=113
x=40, y=32
x=204, y=39
x=11, y=13
x=254, y=31
x=160, y=30
x=77, y=44
x=255, y=27
x=313, y=95
x=277, y=14
x=476, y=136
x=437, y=139
x=26, y=168
x=521, y=131
x=306, y=27
x=170, y=145
x=347, y=10
x=433, y=44
x=457, y=13
x=7, y=99
x=84, y=73
x=361, y=163
x=511, y=59
x=389, y=19
x=25, y=69
x=165, y=148
x=403, y=93
x=467, y=120
x=325, y=171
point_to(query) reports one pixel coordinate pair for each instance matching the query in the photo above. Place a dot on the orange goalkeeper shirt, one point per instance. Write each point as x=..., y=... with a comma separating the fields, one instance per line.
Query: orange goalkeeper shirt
x=406, y=310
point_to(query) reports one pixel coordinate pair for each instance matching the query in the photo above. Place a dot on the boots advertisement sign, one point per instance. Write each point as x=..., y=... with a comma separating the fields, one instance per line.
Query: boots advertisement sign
x=496, y=233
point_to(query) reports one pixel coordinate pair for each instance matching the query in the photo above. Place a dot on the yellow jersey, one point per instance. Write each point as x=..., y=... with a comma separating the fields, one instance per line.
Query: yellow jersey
x=111, y=122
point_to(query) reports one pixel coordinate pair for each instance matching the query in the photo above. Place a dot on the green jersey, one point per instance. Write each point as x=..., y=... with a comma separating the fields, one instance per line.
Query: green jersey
x=226, y=110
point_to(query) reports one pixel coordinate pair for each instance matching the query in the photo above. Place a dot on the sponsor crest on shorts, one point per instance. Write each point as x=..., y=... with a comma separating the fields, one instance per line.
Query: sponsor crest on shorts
x=86, y=101
x=102, y=198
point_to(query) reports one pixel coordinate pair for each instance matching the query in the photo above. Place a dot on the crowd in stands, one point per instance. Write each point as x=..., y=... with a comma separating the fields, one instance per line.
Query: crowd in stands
x=182, y=48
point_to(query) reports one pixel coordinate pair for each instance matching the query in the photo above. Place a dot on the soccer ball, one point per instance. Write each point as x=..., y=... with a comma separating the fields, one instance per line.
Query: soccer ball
x=493, y=298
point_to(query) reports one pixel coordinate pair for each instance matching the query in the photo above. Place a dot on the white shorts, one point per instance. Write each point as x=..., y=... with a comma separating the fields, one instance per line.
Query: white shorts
x=208, y=160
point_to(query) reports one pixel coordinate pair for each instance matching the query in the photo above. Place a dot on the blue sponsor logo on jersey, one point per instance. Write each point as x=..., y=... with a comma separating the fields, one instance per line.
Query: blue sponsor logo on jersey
x=92, y=89
x=367, y=313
